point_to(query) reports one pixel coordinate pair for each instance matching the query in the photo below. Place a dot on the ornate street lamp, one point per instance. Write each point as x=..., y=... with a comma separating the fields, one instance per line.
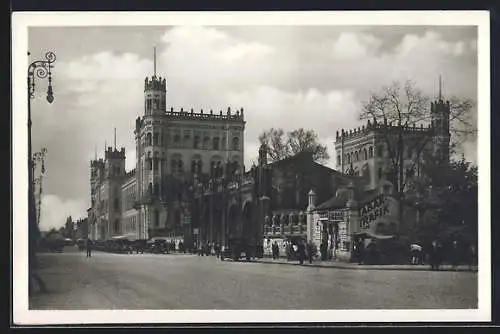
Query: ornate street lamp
x=40, y=69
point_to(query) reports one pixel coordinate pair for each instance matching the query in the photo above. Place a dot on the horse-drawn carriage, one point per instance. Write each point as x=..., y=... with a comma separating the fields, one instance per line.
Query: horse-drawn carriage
x=238, y=248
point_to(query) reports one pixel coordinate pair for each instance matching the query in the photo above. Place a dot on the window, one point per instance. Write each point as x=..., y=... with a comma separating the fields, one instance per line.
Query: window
x=223, y=143
x=196, y=142
x=149, y=163
x=173, y=166
x=155, y=139
x=156, y=189
x=148, y=139
x=365, y=154
x=370, y=152
x=181, y=166
x=177, y=139
x=117, y=226
x=348, y=158
x=150, y=188
x=216, y=143
x=356, y=156
x=236, y=143
x=187, y=139
x=157, y=164
x=193, y=166
x=338, y=160
x=380, y=173
x=206, y=142
x=116, y=204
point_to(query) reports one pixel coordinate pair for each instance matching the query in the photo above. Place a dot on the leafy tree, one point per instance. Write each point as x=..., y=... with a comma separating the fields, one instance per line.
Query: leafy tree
x=283, y=145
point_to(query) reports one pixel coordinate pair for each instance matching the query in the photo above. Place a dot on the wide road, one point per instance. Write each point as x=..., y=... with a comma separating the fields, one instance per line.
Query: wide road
x=148, y=281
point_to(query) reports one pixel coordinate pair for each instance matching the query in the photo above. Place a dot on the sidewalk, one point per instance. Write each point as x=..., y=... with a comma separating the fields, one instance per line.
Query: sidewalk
x=355, y=266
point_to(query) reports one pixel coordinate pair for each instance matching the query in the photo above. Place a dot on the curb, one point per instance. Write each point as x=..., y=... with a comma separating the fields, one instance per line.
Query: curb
x=363, y=267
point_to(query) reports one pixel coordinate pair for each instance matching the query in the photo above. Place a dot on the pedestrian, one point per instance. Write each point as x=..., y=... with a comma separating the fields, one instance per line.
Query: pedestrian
x=89, y=248
x=361, y=250
x=454, y=255
x=301, y=252
x=471, y=255
x=310, y=251
x=217, y=250
x=434, y=255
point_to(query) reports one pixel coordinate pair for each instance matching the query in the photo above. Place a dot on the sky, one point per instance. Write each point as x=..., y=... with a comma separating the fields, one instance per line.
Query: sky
x=287, y=77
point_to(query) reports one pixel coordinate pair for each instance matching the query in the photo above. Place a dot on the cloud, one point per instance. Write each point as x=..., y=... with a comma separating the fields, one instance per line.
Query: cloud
x=55, y=211
x=289, y=77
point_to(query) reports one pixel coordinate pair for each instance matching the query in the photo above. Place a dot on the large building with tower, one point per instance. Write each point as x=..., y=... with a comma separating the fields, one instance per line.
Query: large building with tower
x=171, y=146
x=189, y=180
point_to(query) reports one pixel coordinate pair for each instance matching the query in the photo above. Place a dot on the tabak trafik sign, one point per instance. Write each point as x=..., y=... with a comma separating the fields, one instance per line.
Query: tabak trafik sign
x=371, y=211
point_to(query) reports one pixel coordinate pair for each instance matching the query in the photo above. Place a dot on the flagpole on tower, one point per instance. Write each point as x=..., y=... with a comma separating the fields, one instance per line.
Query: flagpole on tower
x=115, y=139
x=154, y=60
x=440, y=88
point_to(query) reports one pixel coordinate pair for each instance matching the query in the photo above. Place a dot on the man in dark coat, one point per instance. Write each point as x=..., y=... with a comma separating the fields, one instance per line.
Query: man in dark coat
x=310, y=251
x=89, y=248
x=301, y=250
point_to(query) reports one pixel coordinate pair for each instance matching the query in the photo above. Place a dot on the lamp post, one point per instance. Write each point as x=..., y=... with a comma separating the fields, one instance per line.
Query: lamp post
x=40, y=69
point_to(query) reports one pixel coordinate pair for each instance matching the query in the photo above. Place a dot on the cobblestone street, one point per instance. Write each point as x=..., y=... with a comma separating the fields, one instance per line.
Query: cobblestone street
x=148, y=281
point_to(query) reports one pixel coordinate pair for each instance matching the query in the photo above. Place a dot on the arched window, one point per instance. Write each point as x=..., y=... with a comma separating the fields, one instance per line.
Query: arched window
x=150, y=188
x=206, y=142
x=173, y=166
x=338, y=160
x=148, y=139
x=216, y=143
x=155, y=139
x=356, y=156
x=370, y=152
x=149, y=163
x=236, y=143
x=212, y=168
x=156, y=189
x=348, y=158
x=181, y=166
x=218, y=169
x=193, y=166
x=196, y=142
x=365, y=154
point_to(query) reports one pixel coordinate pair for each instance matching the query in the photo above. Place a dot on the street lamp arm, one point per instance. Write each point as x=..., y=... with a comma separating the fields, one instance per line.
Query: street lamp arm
x=40, y=69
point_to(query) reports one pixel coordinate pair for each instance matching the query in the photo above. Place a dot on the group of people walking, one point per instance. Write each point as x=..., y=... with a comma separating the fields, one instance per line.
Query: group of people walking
x=300, y=251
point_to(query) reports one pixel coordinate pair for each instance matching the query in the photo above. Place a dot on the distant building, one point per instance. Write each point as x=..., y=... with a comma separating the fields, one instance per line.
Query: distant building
x=364, y=151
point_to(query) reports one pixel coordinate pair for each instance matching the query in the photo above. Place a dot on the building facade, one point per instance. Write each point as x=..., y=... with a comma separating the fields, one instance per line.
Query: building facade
x=171, y=147
x=368, y=151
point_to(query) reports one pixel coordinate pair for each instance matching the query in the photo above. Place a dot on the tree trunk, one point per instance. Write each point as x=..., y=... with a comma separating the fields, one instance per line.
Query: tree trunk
x=400, y=178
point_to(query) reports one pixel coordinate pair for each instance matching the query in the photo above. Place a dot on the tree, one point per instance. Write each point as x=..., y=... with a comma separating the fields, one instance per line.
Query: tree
x=295, y=142
x=401, y=105
x=455, y=189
